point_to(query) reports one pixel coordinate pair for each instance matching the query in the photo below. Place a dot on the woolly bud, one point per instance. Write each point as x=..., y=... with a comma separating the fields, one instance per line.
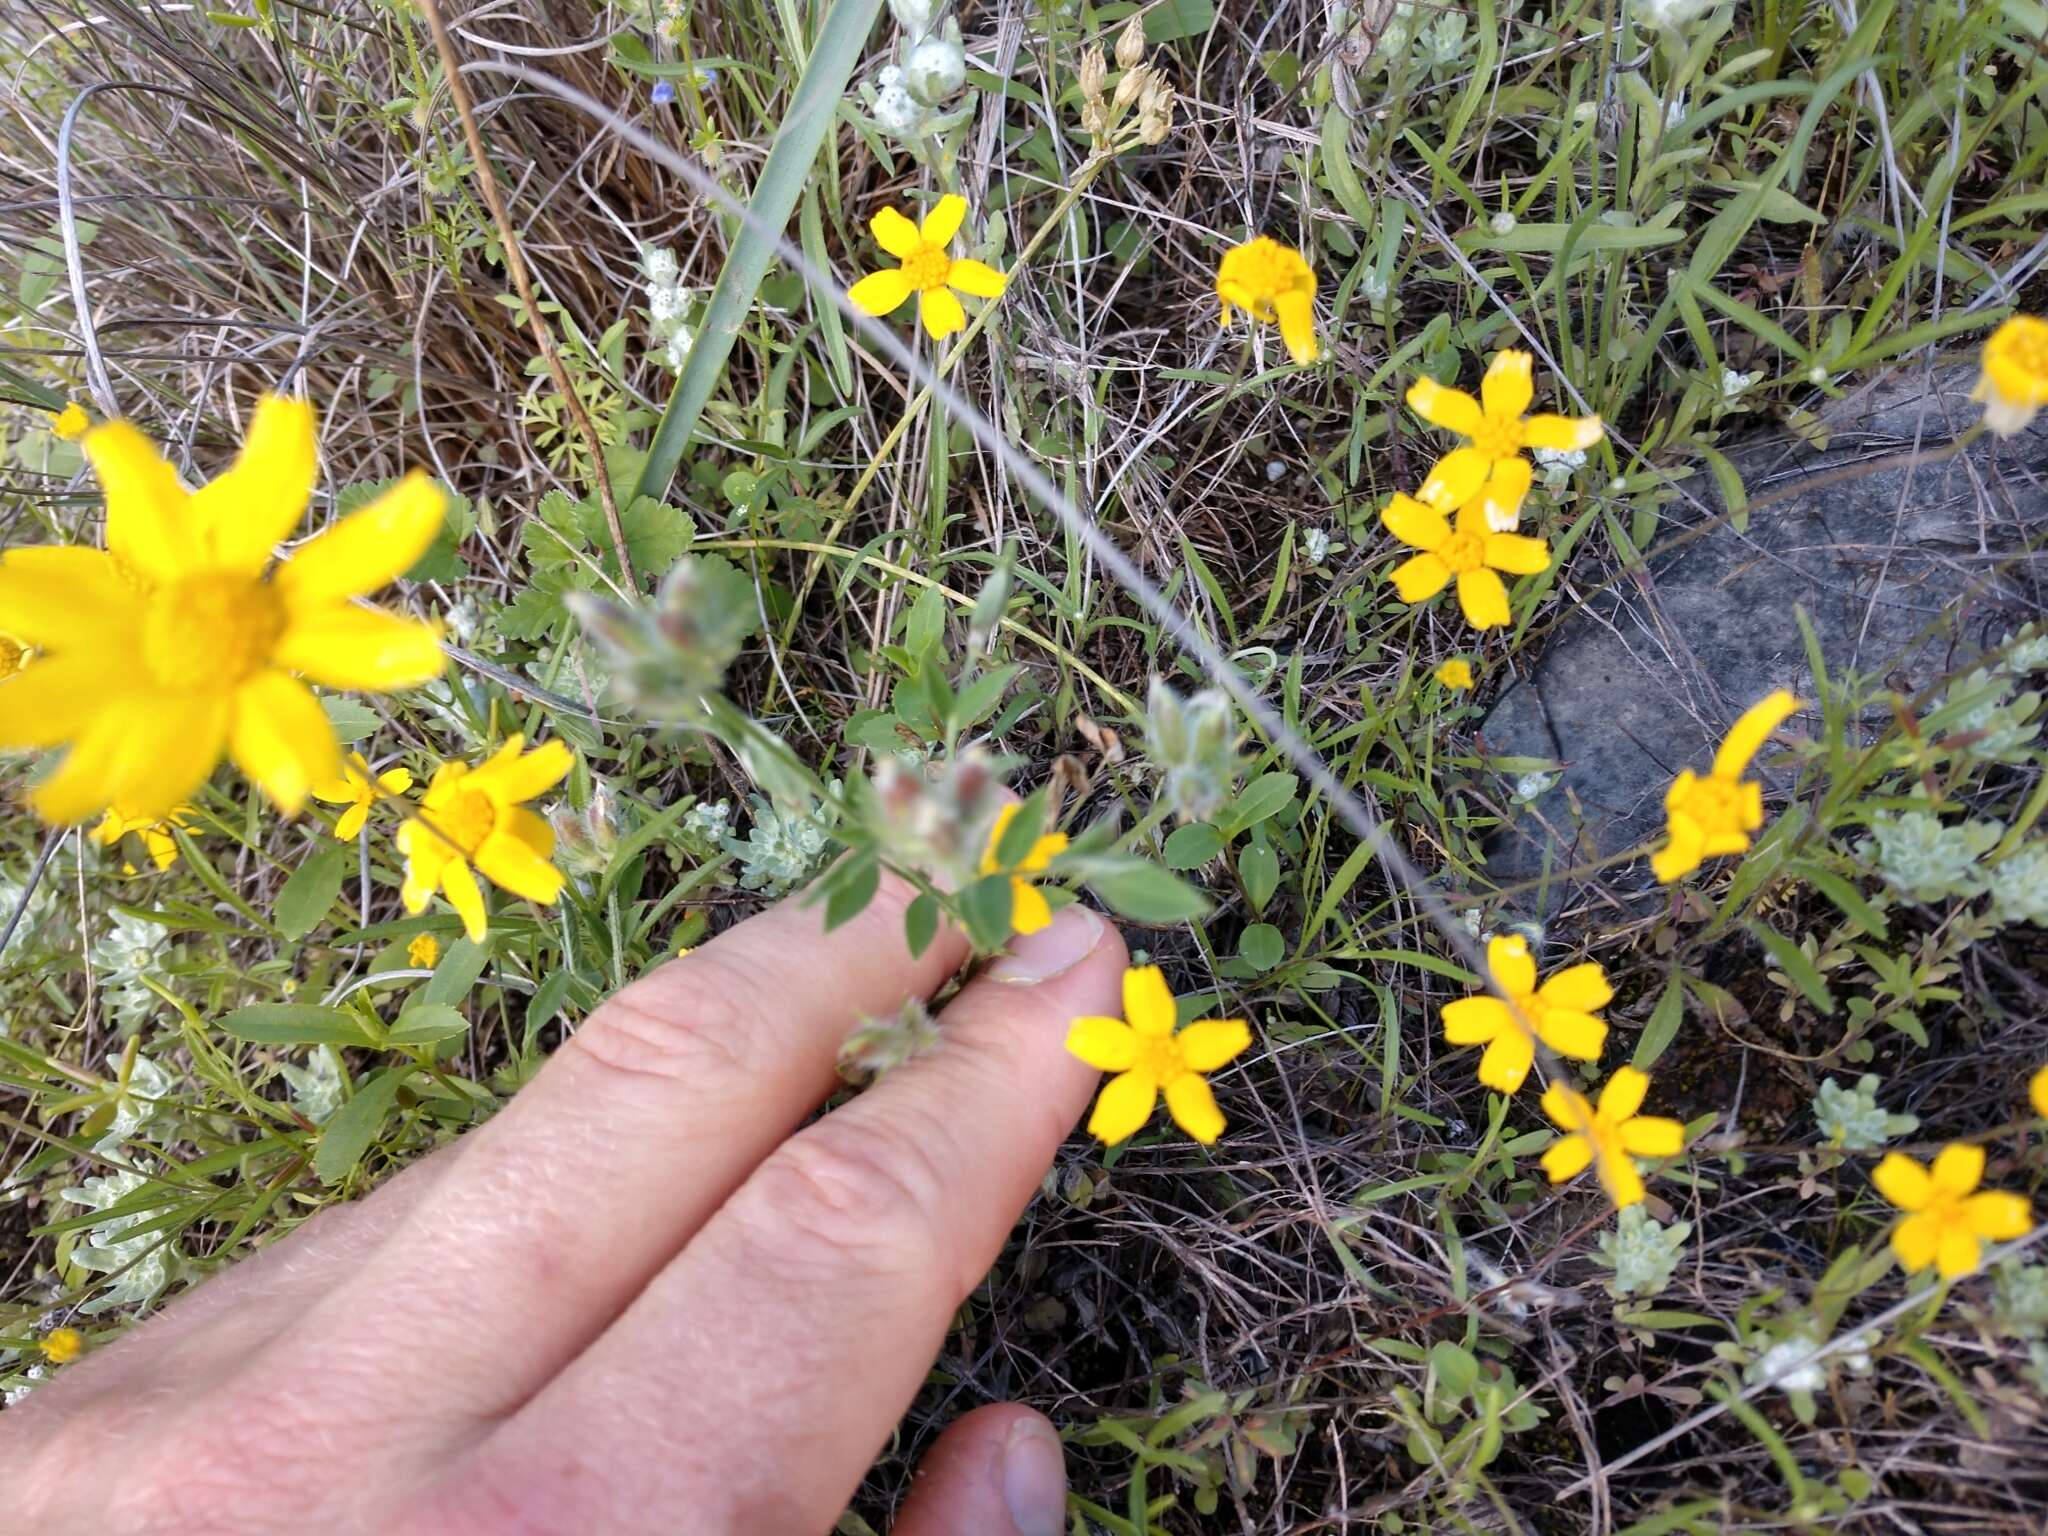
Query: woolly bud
x=1131, y=86
x=1130, y=45
x=1094, y=73
x=1155, y=110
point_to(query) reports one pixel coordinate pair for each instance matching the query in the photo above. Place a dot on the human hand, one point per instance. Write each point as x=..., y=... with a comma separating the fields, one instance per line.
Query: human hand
x=639, y=1299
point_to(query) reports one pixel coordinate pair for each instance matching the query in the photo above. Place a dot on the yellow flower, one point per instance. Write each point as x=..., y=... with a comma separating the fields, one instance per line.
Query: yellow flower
x=1563, y=1013
x=354, y=789
x=926, y=269
x=2037, y=1092
x=1150, y=1059
x=423, y=951
x=1456, y=673
x=13, y=656
x=1715, y=813
x=1610, y=1136
x=182, y=640
x=1947, y=1223
x=1271, y=282
x=61, y=1346
x=473, y=821
x=1029, y=911
x=71, y=423
x=1495, y=424
x=1472, y=550
x=155, y=832
x=2014, y=383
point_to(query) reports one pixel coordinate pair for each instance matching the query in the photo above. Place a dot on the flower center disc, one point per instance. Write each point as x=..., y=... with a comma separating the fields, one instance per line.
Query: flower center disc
x=927, y=267
x=214, y=629
x=1713, y=803
x=1160, y=1060
x=1498, y=437
x=1462, y=552
x=466, y=820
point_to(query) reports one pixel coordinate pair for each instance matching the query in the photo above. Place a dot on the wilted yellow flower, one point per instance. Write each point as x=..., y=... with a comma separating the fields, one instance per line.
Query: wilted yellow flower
x=1471, y=550
x=1456, y=673
x=1272, y=283
x=1947, y=1223
x=354, y=789
x=473, y=821
x=1563, y=1013
x=927, y=269
x=1610, y=1136
x=1495, y=424
x=61, y=1346
x=423, y=951
x=2037, y=1092
x=1029, y=911
x=71, y=423
x=1714, y=814
x=1150, y=1059
x=155, y=832
x=183, y=640
x=2014, y=383
x=13, y=656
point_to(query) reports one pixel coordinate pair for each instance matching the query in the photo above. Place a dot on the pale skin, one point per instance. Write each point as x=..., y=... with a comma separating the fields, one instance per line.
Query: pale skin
x=646, y=1297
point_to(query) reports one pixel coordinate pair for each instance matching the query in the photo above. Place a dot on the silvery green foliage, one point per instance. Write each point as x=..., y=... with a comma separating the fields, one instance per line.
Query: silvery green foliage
x=139, y=1112
x=2019, y=885
x=1671, y=15
x=937, y=67
x=780, y=851
x=706, y=826
x=668, y=306
x=142, y=1266
x=878, y=1046
x=1852, y=1118
x=2004, y=725
x=1193, y=743
x=130, y=949
x=908, y=101
x=1557, y=465
x=2031, y=653
x=668, y=656
x=1643, y=1253
x=2022, y=1297
x=914, y=16
x=1927, y=860
x=1776, y=1364
x=315, y=1087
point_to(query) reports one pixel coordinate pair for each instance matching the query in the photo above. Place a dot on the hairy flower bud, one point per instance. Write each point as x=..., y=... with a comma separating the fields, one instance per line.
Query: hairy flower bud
x=1155, y=110
x=668, y=656
x=1193, y=743
x=1132, y=85
x=935, y=70
x=935, y=817
x=1094, y=73
x=585, y=840
x=1130, y=45
x=913, y=16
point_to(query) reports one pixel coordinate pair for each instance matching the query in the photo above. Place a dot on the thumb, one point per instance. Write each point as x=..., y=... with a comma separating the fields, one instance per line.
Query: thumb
x=997, y=1472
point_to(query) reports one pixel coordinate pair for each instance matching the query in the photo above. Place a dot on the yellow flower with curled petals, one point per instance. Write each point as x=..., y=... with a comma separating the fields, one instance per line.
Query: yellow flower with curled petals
x=2037, y=1092
x=71, y=423
x=1947, y=1220
x=473, y=821
x=1469, y=549
x=1029, y=911
x=1150, y=1059
x=1496, y=426
x=2014, y=383
x=184, y=638
x=423, y=951
x=1715, y=813
x=355, y=789
x=155, y=832
x=1611, y=1136
x=1272, y=283
x=1456, y=674
x=926, y=269
x=1563, y=1013
x=61, y=1346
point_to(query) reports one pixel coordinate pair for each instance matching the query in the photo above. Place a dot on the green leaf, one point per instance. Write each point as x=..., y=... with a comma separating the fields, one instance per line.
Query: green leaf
x=1192, y=846
x=1261, y=800
x=1845, y=897
x=985, y=908
x=1456, y=1371
x=812, y=113
x=351, y=721
x=1258, y=870
x=1261, y=946
x=309, y=894
x=350, y=1129
x=1793, y=961
x=428, y=1023
x=1663, y=1026
x=1021, y=835
x=1145, y=893
x=295, y=1024
x=456, y=973
x=921, y=923
x=852, y=887
x=1170, y=20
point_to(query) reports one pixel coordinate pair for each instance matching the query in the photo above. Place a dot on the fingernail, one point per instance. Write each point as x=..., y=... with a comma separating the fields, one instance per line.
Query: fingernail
x=1035, y=1470
x=1055, y=949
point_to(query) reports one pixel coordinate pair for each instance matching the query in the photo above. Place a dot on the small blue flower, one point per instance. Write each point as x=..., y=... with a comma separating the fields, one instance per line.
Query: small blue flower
x=664, y=92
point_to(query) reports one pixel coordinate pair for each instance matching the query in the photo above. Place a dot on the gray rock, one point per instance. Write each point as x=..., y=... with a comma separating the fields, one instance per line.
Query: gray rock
x=1897, y=567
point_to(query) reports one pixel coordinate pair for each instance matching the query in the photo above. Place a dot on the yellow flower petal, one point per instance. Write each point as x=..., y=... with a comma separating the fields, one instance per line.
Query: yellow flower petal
x=2037, y=1092
x=1296, y=313
x=1998, y=1215
x=1208, y=1044
x=1958, y=1253
x=67, y=599
x=1108, y=1045
x=1148, y=1001
x=1509, y=384
x=1746, y=737
x=1567, y=1158
x=1623, y=1095
x=1653, y=1136
x=1903, y=1182
x=343, y=646
x=1581, y=988
x=51, y=702
x=459, y=885
x=1577, y=1035
x=977, y=279
x=512, y=866
x=394, y=781
x=146, y=752
x=1455, y=479
x=1619, y=1178
x=1499, y=500
x=1916, y=1240
x=368, y=549
x=350, y=822
x=1563, y=433
x=1958, y=1168
x=148, y=521
x=1484, y=599
x=880, y=292
x=1451, y=409
x=1123, y=1107
x=1505, y=1065
x=1029, y=911
x=1517, y=554
x=242, y=516
x=1419, y=578
x=521, y=777
x=1457, y=674
x=1476, y=1020
x=1681, y=856
x=1193, y=1107
x=895, y=234
x=71, y=423
x=945, y=219
x=1509, y=963
x=532, y=830
x=1567, y=1107
x=1043, y=852
x=940, y=313
x=1414, y=524
x=281, y=738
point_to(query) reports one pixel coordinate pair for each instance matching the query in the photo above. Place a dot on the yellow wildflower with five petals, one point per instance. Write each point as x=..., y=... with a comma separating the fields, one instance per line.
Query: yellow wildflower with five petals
x=1469, y=549
x=1611, y=1136
x=61, y=1346
x=1496, y=426
x=1456, y=674
x=71, y=423
x=1150, y=1059
x=423, y=951
x=2014, y=383
x=1947, y=1220
x=1711, y=814
x=155, y=832
x=474, y=821
x=926, y=268
x=1272, y=283
x=183, y=639
x=356, y=790
x=1563, y=1013
x=1029, y=911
